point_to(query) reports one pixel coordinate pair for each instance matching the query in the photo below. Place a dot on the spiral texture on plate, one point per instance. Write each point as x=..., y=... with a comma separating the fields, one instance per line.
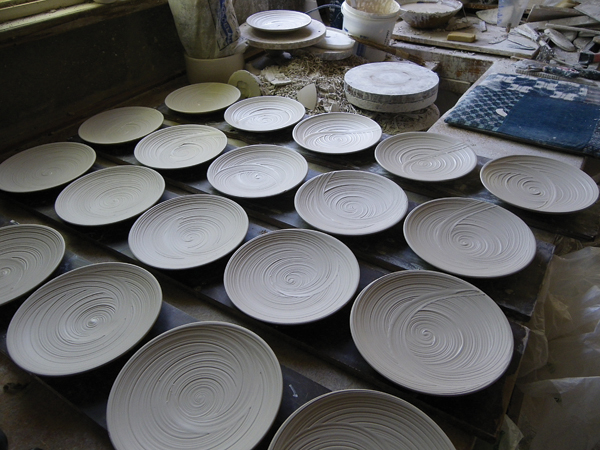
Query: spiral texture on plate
x=120, y=125
x=202, y=98
x=266, y=113
x=28, y=255
x=539, y=184
x=45, y=166
x=278, y=21
x=188, y=231
x=84, y=319
x=337, y=133
x=205, y=385
x=425, y=156
x=109, y=195
x=359, y=419
x=291, y=276
x=257, y=171
x=351, y=202
x=431, y=332
x=180, y=146
x=469, y=237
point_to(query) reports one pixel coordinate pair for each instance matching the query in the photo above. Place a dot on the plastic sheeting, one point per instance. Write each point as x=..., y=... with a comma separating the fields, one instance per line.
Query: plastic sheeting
x=560, y=373
x=207, y=29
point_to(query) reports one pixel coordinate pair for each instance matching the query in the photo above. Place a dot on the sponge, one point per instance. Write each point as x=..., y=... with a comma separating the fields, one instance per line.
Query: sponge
x=461, y=36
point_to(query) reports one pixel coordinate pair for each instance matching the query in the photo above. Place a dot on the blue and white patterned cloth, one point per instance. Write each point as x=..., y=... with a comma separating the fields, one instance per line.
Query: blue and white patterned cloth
x=556, y=114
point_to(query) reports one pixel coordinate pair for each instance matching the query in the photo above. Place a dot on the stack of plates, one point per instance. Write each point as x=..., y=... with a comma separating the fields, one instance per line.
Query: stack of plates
x=359, y=419
x=351, y=202
x=431, y=332
x=205, y=385
x=109, y=195
x=84, y=319
x=469, y=237
x=29, y=254
x=391, y=87
x=45, y=166
x=291, y=276
x=188, y=231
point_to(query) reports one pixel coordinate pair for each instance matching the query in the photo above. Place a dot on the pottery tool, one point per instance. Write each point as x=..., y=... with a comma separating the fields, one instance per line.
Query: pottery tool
x=391, y=50
x=588, y=58
x=461, y=36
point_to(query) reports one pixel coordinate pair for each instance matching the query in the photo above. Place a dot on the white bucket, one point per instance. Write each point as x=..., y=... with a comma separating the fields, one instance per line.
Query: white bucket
x=373, y=27
x=212, y=70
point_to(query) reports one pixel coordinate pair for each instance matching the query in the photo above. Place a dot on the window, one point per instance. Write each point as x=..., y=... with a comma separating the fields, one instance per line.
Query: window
x=17, y=9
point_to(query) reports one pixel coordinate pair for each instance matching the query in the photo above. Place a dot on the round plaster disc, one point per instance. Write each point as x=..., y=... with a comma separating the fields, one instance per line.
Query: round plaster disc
x=336, y=40
x=246, y=82
x=304, y=37
x=394, y=87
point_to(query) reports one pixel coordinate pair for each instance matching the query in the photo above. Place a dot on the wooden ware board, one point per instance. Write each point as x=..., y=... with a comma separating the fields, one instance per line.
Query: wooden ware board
x=491, y=42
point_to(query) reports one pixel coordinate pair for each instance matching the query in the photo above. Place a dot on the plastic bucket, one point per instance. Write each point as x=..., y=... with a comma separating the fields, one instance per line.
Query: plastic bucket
x=212, y=70
x=373, y=27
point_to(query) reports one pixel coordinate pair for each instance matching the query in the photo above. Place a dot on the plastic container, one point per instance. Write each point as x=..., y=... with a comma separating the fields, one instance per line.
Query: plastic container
x=510, y=12
x=377, y=28
x=213, y=70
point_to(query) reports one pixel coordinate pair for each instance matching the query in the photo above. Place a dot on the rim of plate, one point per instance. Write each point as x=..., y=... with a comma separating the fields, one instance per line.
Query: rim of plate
x=264, y=113
x=279, y=20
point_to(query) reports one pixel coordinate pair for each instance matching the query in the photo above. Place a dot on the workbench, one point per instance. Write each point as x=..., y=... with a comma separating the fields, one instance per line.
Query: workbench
x=478, y=415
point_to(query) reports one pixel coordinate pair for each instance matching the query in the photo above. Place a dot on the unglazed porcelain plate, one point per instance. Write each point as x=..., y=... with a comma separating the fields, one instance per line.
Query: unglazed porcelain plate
x=266, y=113
x=351, y=202
x=257, y=171
x=180, y=146
x=469, y=237
x=29, y=254
x=359, y=419
x=539, y=184
x=291, y=276
x=423, y=156
x=45, y=166
x=204, y=385
x=84, y=319
x=188, y=231
x=202, y=98
x=431, y=332
x=109, y=195
x=121, y=125
x=337, y=133
x=279, y=20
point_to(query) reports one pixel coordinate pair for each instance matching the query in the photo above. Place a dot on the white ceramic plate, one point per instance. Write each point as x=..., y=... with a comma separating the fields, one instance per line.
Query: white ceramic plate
x=266, y=113
x=351, y=202
x=425, y=156
x=205, y=385
x=120, y=125
x=188, y=231
x=539, y=184
x=337, y=133
x=291, y=276
x=45, y=166
x=28, y=255
x=84, y=319
x=109, y=195
x=469, y=237
x=359, y=419
x=202, y=98
x=257, y=171
x=279, y=20
x=180, y=146
x=431, y=332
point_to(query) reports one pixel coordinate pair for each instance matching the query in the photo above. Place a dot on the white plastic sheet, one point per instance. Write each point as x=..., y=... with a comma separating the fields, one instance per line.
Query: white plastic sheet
x=560, y=373
x=208, y=29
